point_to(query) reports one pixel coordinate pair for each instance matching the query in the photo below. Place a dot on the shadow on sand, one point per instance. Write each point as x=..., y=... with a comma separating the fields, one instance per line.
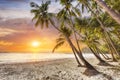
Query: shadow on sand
x=105, y=64
x=90, y=73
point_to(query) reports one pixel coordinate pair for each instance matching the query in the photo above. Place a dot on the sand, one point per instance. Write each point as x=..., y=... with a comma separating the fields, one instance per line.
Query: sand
x=61, y=69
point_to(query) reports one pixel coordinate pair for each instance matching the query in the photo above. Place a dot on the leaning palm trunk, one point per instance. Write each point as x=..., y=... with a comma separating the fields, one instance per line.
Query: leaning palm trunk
x=79, y=64
x=96, y=55
x=88, y=65
x=105, y=32
x=111, y=49
x=72, y=27
x=118, y=54
x=103, y=54
x=111, y=12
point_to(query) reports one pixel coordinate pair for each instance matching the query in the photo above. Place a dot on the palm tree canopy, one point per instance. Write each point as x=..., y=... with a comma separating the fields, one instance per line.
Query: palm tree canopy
x=41, y=14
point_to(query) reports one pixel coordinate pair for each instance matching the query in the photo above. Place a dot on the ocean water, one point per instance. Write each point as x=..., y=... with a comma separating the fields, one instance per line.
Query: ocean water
x=32, y=57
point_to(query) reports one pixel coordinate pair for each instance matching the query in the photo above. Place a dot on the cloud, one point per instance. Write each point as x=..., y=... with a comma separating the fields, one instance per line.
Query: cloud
x=21, y=30
x=6, y=31
x=13, y=13
x=5, y=43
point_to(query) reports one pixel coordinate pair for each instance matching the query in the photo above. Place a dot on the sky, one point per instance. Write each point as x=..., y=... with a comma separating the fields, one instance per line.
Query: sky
x=17, y=31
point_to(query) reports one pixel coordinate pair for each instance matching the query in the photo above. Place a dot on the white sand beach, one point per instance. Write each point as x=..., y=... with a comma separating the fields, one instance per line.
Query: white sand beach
x=60, y=69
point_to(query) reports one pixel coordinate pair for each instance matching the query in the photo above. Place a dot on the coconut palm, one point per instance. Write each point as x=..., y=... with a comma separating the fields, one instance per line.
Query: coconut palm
x=61, y=40
x=91, y=41
x=89, y=66
x=41, y=15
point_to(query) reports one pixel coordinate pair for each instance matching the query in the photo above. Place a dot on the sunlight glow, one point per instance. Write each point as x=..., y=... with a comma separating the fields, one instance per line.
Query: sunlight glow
x=35, y=44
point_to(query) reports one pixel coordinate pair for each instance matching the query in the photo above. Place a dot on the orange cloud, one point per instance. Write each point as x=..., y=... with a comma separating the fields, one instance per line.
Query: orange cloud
x=5, y=43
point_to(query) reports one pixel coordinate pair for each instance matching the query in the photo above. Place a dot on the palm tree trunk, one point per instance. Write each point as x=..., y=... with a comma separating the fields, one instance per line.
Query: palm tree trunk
x=88, y=65
x=98, y=57
x=72, y=27
x=53, y=24
x=111, y=50
x=79, y=64
x=106, y=57
x=114, y=47
x=103, y=54
x=111, y=12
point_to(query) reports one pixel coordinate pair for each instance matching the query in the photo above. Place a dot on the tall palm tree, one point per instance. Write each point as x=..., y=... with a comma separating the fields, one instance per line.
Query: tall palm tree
x=91, y=41
x=88, y=65
x=42, y=16
x=61, y=40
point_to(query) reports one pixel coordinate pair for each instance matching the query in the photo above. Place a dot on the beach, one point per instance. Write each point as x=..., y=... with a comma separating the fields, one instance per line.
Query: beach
x=58, y=69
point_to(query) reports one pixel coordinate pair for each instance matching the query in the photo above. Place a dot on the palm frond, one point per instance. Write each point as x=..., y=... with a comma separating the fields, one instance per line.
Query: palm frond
x=77, y=11
x=60, y=39
x=32, y=4
x=58, y=45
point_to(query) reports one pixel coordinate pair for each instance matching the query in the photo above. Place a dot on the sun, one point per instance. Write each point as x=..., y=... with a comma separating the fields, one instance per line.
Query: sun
x=35, y=44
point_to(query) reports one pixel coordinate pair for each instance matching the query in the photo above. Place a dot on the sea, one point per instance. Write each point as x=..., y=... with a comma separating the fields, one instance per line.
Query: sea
x=9, y=58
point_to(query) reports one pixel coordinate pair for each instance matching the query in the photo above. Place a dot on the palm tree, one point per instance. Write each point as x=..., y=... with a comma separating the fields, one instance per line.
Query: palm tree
x=91, y=41
x=66, y=31
x=44, y=18
x=61, y=40
x=68, y=12
x=111, y=12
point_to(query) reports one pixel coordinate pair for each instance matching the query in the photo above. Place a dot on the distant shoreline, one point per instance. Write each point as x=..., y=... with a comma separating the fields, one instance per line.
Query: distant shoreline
x=42, y=62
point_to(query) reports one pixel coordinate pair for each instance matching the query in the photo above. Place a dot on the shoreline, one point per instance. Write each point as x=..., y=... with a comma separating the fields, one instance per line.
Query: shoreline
x=42, y=62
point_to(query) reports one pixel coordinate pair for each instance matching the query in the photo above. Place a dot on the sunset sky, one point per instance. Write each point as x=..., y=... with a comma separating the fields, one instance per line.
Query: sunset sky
x=17, y=31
